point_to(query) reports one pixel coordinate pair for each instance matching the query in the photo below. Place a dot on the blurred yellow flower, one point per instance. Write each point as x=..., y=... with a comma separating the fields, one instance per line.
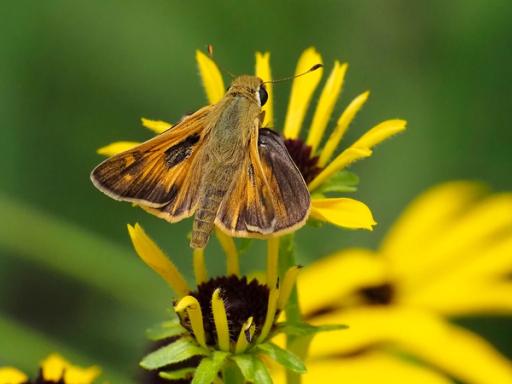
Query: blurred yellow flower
x=53, y=369
x=449, y=254
x=317, y=166
x=10, y=375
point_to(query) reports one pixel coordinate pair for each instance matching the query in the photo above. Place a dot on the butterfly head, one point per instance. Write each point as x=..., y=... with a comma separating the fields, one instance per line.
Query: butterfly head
x=249, y=86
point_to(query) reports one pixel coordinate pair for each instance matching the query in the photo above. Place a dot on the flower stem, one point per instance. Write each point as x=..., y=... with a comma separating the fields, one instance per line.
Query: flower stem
x=295, y=344
x=287, y=259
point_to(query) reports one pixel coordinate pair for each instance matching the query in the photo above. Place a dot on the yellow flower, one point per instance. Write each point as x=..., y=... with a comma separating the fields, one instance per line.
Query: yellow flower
x=449, y=254
x=227, y=319
x=10, y=375
x=54, y=369
x=318, y=166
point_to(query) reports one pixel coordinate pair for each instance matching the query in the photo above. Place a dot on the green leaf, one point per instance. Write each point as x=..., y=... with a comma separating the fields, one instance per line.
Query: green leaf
x=261, y=374
x=180, y=374
x=166, y=329
x=231, y=374
x=342, y=181
x=181, y=349
x=246, y=365
x=209, y=367
x=283, y=357
x=253, y=369
x=305, y=329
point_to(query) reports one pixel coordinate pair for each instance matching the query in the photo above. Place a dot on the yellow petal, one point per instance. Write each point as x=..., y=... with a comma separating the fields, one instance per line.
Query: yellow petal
x=342, y=125
x=343, y=212
x=475, y=229
x=264, y=73
x=153, y=256
x=228, y=245
x=221, y=320
x=343, y=160
x=371, y=368
x=200, y=272
x=117, y=147
x=157, y=126
x=465, y=355
x=337, y=276
x=211, y=77
x=368, y=327
x=475, y=286
x=77, y=375
x=491, y=261
x=242, y=343
x=287, y=286
x=302, y=90
x=455, y=350
x=326, y=103
x=470, y=298
x=424, y=220
x=379, y=133
x=270, y=315
x=53, y=367
x=193, y=308
x=10, y=375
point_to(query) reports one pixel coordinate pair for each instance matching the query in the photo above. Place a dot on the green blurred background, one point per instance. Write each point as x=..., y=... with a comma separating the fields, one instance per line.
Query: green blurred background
x=76, y=75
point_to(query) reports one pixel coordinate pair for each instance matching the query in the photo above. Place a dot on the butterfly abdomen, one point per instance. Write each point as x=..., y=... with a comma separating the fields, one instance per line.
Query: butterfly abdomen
x=205, y=216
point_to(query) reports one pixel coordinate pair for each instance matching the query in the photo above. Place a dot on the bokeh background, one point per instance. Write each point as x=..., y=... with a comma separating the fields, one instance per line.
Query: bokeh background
x=76, y=75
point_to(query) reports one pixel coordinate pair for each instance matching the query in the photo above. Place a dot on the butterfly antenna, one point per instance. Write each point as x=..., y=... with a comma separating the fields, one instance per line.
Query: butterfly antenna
x=210, y=53
x=312, y=69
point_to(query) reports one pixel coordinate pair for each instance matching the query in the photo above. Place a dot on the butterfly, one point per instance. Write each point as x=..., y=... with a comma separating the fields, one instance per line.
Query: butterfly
x=217, y=164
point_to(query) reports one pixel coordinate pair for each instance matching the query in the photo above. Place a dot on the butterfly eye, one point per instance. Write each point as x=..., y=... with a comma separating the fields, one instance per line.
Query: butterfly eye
x=262, y=92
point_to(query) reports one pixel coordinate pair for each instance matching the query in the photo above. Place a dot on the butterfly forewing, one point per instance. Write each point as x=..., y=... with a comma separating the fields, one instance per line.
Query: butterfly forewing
x=159, y=173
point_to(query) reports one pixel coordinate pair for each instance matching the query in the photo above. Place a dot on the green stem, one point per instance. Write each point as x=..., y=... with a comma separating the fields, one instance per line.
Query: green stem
x=287, y=259
x=295, y=344
x=231, y=374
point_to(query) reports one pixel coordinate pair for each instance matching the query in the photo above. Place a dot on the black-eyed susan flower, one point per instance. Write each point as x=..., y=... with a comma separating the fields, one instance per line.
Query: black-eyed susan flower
x=223, y=324
x=448, y=255
x=320, y=164
x=53, y=370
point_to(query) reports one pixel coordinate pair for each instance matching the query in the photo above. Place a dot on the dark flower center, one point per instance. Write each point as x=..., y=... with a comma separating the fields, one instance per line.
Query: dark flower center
x=301, y=155
x=382, y=294
x=379, y=294
x=242, y=299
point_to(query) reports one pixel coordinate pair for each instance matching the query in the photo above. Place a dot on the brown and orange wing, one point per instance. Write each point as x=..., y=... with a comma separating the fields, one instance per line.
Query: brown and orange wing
x=162, y=174
x=269, y=196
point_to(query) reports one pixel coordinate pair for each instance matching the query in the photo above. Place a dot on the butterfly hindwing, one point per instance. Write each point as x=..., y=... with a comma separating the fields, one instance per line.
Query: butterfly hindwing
x=159, y=174
x=269, y=196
